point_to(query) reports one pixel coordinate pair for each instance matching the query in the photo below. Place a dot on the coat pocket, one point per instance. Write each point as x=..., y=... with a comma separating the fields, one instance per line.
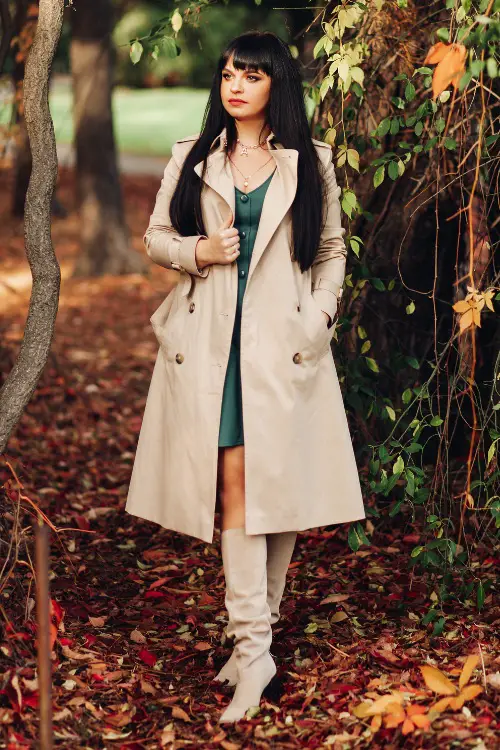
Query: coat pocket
x=321, y=335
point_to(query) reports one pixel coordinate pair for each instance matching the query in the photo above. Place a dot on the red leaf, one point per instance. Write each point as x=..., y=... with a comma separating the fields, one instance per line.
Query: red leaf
x=147, y=657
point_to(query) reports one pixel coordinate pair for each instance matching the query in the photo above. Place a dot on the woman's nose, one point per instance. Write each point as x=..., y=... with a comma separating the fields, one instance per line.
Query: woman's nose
x=235, y=86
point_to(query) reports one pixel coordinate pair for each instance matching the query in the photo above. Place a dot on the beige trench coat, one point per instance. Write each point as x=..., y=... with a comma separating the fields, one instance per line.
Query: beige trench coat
x=300, y=469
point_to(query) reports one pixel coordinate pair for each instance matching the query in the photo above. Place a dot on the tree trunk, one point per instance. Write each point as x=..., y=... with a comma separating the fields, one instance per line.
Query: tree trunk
x=105, y=238
x=23, y=378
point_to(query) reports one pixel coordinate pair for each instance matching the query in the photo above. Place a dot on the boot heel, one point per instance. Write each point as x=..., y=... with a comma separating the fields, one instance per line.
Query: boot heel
x=274, y=690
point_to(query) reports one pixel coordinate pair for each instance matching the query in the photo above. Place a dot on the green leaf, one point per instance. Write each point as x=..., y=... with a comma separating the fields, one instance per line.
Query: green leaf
x=378, y=284
x=136, y=51
x=353, y=158
x=361, y=332
x=372, y=364
x=353, y=539
x=413, y=363
x=379, y=175
x=355, y=247
x=176, y=21
x=480, y=595
x=390, y=411
x=407, y=394
x=409, y=92
x=361, y=534
x=438, y=626
x=410, y=308
x=393, y=170
x=436, y=421
x=414, y=448
x=319, y=47
x=383, y=127
x=365, y=347
x=491, y=453
x=399, y=465
x=416, y=551
x=395, y=508
x=311, y=628
x=450, y=143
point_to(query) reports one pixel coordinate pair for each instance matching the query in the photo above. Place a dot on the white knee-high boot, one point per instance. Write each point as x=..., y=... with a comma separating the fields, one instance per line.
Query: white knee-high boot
x=280, y=547
x=244, y=559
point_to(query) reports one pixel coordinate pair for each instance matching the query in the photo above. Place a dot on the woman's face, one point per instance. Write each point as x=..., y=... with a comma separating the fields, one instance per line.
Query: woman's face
x=251, y=88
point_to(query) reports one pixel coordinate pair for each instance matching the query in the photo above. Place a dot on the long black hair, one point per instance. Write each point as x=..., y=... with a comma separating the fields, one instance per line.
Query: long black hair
x=286, y=116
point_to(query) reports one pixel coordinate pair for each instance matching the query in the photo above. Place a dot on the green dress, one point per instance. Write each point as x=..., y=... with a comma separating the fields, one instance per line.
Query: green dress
x=248, y=207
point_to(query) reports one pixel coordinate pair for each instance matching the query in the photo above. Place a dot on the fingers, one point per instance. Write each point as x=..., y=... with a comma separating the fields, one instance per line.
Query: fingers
x=227, y=221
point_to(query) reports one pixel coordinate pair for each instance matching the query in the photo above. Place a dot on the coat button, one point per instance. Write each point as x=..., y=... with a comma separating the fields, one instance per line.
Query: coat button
x=191, y=307
x=297, y=358
x=244, y=198
x=179, y=358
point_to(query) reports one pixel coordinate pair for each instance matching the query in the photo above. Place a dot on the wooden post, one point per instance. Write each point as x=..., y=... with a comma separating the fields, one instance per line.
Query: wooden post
x=43, y=632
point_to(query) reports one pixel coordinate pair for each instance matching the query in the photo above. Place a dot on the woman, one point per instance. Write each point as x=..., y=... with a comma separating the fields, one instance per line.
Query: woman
x=244, y=404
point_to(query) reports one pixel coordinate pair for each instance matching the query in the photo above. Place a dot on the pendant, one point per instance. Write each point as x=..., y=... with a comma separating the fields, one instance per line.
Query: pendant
x=244, y=151
x=245, y=183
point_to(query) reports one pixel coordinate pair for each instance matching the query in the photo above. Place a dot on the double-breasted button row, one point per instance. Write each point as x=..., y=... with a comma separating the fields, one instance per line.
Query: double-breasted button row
x=297, y=358
x=179, y=358
x=191, y=307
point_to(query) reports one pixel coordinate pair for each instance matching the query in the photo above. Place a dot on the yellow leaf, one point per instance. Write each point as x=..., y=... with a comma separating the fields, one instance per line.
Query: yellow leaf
x=421, y=721
x=470, y=664
x=437, y=681
x=471, y=691
x=457, y=703
x=436, y=53
x=376, y=723
x=395, y=715
x=461, y=306
x=361, y=711
x=339, y=616
x=381, y=705
x=488, y=297
x=476, y=316
x=407, y=727
x=466, y=320
x=441, y=705
x=416, y=709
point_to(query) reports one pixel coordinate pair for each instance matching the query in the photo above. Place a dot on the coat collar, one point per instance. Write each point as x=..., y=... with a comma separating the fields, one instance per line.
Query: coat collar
x=279, y=195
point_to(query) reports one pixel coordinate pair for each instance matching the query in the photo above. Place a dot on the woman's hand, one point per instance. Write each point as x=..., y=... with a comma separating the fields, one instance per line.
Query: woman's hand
x=221, y=247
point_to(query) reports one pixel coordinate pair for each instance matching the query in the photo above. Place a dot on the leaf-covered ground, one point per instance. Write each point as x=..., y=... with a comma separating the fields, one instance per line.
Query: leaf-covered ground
x=138, y=611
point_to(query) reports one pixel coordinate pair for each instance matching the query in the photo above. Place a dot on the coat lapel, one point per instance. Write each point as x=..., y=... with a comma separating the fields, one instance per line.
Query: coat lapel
x=279, y=195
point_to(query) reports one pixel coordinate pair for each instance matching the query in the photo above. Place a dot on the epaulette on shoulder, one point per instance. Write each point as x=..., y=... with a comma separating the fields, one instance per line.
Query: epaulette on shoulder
x=189, y=138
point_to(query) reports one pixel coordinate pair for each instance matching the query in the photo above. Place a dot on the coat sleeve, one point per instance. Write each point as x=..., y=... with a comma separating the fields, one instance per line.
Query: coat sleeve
x=164, y=245
x=328, y=269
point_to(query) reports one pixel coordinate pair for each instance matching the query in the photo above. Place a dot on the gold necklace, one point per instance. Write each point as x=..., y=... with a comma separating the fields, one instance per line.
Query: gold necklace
x=247, y=177
x=244, y=149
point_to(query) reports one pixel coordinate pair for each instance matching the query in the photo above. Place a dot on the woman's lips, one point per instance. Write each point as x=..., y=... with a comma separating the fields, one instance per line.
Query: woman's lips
x=236, y=101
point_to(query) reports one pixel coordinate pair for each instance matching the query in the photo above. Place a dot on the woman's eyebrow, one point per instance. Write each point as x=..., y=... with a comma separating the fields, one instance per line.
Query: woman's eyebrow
x=251, y=72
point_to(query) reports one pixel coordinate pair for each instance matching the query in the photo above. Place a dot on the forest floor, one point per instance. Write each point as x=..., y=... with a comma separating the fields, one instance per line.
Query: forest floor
x=138, y=611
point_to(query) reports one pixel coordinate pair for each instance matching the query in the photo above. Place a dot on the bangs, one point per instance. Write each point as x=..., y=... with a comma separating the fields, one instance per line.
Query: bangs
x=250, y=53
